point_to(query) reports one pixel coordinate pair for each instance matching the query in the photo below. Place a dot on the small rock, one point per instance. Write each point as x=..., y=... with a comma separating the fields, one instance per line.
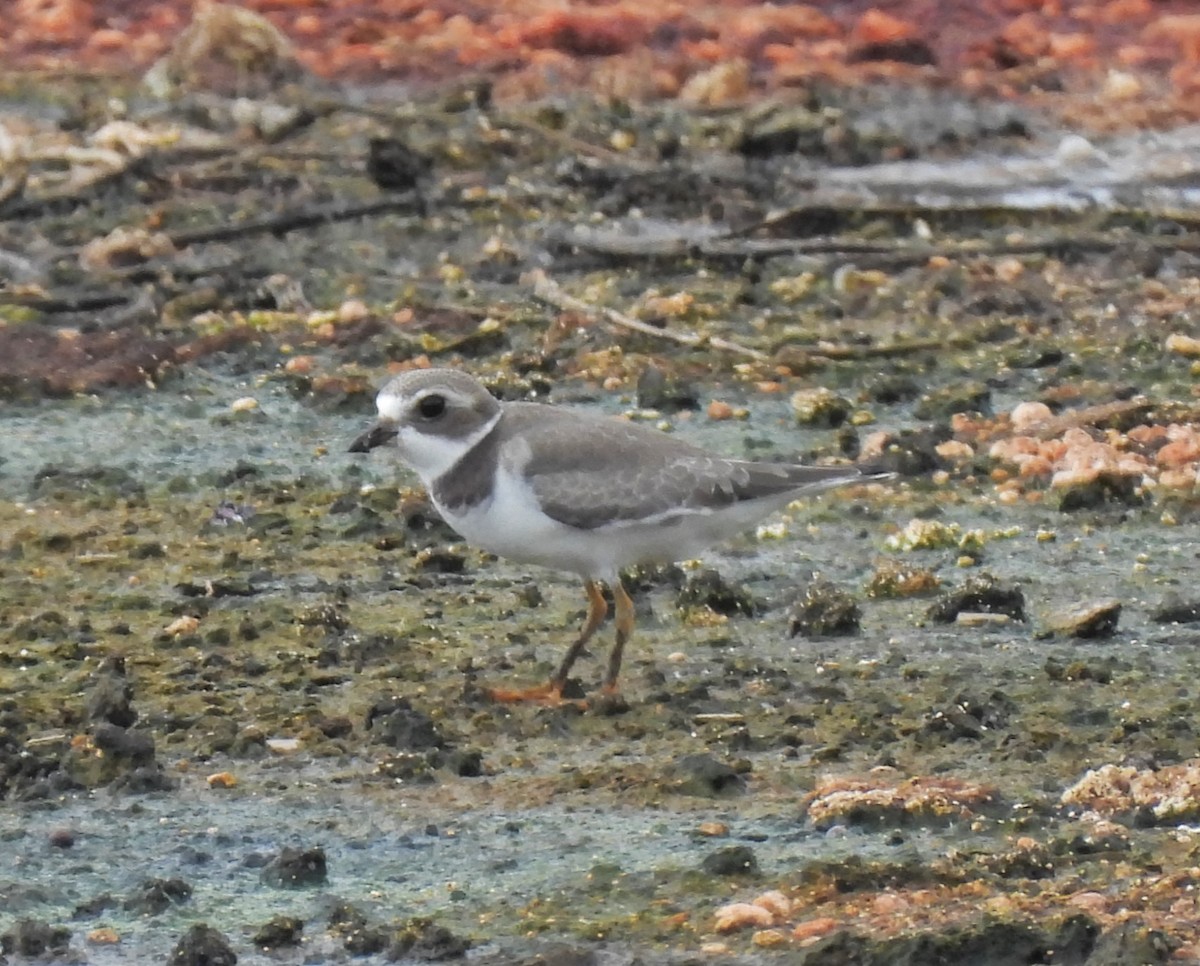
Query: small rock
x=1028, y=415
x=440, y=560
x=657, y=391
x=359, y=936
x=182, y=625
x=61, y=838
x=296, y=868
x=1184, y=345
x=981, y=594
x=970, y=717
x=820, y=406
x=394, y=165
x=1132, y=942
x=424, y=940
x=1089, y=490
x=1092, y=620
x=731, y=861
x=741, y=915
x=970, y=397
x=128, y=744
x=90, y=908
x=719, y=411
x=911, y=453
x=335, y=726
x=155, y=895
x=34, y=938
x=1173, y=609
x=992, y=941
x=202, y=945
x=327, y=616
x=407, y=766
x=824, y=610
x=892, y=579
x=111, y=700
x=395, y=722
x=970, y=618
x=707, y=588
x=279, y=932
x=465, y=762
x=811, y=930
x=704, y=776
x=839, y=947
x=1101, y=673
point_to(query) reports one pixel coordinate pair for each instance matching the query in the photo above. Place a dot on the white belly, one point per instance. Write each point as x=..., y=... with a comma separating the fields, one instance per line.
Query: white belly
x=512, y=525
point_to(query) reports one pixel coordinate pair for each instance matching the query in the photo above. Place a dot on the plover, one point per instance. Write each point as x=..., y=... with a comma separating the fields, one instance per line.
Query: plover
x=575, y=492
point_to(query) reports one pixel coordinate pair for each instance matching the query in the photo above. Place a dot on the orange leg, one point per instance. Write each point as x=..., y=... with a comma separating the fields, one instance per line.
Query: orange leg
x=624, y=632
x=551, y=691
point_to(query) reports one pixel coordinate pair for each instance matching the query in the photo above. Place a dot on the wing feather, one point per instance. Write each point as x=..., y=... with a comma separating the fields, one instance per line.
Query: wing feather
x=629, y=473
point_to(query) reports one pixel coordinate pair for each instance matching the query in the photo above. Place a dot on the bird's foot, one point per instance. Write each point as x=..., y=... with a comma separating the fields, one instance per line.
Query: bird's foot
x=552, y=694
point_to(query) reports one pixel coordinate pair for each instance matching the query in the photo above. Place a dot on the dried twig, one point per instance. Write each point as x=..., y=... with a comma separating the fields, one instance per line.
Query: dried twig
x=296, y=218
x=545, y=289
x=1097, y=415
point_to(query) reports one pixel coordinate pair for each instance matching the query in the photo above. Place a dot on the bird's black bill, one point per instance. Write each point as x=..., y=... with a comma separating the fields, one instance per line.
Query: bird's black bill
x=375, y=436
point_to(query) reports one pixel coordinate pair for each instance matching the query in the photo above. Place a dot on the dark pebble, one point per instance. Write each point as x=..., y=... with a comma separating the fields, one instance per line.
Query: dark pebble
x=202, y=945
x=839, y=948
x=336, y=726
x=707, y=588
x=145, y=779
x=702, y=775
x=730, y=861
x=970, y=717
x=655, y=390
x=1105, y=489
x=279, y=932
x=296, y=868
x=61, y=838
x=1131, y=942
x=35, y=938
x=424, y=940
x=90, y=908
x=560, y=954
x=394, y=721
x=914, y=452
x=994, y=944
x=136, y=747
x=327, y=616
x=440, y=560
x=465, y=763
x=824, y=610
x=980, y=593
x=968, y=397
x=111, y=700
x=1173, y=609
x=155, y=895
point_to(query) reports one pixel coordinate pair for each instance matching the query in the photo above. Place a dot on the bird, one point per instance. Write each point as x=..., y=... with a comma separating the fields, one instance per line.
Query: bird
x=576, y=492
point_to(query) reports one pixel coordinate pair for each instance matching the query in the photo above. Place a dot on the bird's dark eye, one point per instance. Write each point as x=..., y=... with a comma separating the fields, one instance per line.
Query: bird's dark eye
x=432, y=406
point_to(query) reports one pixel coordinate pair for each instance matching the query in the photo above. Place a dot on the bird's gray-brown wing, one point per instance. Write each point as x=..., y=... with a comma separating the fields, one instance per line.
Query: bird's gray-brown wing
x=589, y=473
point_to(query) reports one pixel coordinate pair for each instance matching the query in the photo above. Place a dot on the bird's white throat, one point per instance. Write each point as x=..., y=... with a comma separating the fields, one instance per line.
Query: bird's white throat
x=431, y=454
